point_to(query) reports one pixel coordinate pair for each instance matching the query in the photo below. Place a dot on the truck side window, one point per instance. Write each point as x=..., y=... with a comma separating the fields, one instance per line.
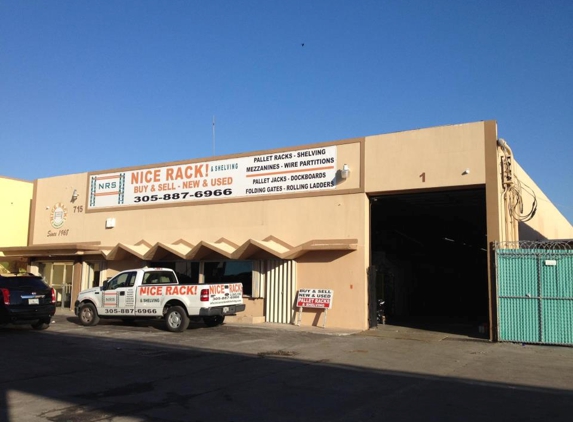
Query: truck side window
x=166, y=278
x=158, y=278
x=121, y=280
x=150, y=278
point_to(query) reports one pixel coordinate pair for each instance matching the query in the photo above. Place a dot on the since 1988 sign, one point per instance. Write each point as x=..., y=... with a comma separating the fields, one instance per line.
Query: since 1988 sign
x=279, y=173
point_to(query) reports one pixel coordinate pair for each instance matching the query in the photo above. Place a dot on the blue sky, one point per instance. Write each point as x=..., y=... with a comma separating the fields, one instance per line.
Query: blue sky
x=94, y=85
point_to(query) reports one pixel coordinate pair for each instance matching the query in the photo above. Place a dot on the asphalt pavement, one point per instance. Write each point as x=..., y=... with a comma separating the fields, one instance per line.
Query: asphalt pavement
x=268, y=372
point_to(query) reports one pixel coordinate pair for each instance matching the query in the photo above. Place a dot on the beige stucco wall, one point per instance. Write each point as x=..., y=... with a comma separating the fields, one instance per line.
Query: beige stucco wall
x=296, y=218
x=425, y=158
x=15, y=199
x=548, y=222
x=432, y=158
x=348, y=272
x=54, y=191
x=392, y=162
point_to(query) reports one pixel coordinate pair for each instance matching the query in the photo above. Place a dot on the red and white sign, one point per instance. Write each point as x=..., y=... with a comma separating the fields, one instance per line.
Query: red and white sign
x=110, y=298
x=314, y=298
x=289, y=172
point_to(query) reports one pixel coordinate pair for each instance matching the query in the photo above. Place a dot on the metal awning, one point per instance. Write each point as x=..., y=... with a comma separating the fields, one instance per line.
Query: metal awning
x=122, y=251
x=173, y=251
x=52, y=251
x=267, y=248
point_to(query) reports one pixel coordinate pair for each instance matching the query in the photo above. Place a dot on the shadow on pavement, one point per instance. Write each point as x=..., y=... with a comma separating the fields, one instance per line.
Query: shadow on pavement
x=57, y=376
x=156, y=324
x=440, y=325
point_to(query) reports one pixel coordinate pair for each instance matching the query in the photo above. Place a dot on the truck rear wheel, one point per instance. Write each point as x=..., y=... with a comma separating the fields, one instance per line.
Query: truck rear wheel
x=176, y=319
x=88, y=314
x=213, y=321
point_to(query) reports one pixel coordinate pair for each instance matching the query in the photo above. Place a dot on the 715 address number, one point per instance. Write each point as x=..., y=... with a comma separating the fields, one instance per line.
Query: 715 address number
x=183, y=195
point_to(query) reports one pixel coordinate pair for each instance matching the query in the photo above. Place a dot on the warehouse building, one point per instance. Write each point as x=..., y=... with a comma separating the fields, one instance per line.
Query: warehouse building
x=406, y=217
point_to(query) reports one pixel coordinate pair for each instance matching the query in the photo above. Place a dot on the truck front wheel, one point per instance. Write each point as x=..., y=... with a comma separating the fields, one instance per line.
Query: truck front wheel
x=88, y=314
x=176, y=319
x=213, y=321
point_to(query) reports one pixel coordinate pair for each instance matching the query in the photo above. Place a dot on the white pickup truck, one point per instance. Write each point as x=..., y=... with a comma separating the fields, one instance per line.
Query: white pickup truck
x=157, y=293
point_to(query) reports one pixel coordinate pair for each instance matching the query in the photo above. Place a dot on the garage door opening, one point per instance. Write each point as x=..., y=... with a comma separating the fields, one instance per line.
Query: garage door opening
x=429, y=256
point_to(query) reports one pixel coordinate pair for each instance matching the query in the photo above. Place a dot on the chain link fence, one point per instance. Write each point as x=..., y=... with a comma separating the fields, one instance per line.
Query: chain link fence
x=534, y=291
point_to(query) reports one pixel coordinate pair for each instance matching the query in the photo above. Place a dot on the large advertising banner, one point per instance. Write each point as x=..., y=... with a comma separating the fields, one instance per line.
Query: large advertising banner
x=279, y=173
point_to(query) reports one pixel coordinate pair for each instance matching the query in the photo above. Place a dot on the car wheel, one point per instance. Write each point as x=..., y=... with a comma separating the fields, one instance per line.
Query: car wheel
x=88, y=314
x=213, y=321
x=41, y=324
x=176, y=319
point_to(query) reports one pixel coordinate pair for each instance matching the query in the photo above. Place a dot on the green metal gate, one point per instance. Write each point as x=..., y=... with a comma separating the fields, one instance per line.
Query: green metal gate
x=535, y=292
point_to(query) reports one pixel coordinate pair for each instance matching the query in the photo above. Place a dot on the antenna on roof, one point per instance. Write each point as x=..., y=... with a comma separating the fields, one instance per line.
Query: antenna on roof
x=213, y=134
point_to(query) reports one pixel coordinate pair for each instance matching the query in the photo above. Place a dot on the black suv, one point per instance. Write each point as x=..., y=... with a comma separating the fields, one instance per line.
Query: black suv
x=26, y=299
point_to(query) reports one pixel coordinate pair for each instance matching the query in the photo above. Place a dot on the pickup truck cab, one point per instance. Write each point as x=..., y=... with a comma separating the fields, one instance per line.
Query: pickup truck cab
x=158, y=293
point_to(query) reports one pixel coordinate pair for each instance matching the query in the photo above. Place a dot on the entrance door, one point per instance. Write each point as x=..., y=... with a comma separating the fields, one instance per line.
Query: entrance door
x=59, y=275
x=92, y=274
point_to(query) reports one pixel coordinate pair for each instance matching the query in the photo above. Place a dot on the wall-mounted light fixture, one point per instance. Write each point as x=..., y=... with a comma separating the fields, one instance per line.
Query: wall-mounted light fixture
x=75, y=195
x=345, y=172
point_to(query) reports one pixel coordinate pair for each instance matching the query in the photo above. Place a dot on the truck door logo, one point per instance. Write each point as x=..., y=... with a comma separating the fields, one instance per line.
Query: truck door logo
x=110, y=299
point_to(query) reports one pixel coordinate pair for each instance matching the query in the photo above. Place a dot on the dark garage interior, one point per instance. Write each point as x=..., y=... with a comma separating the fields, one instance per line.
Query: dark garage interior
x=429, y=257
